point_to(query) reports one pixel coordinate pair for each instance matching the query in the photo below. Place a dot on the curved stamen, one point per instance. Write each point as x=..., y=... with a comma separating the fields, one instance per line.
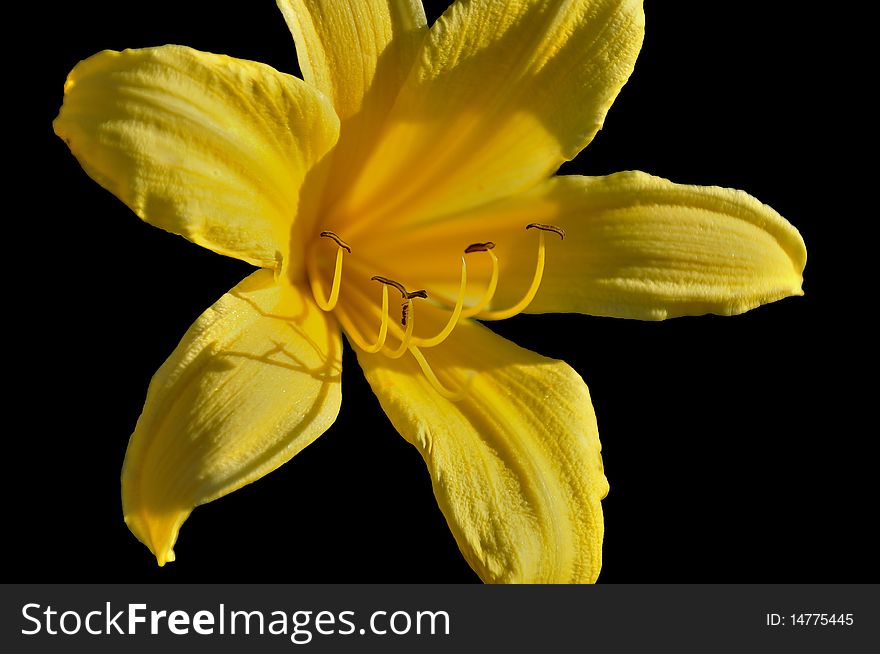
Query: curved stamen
x=493, y=280
x=453, y=319
x=327, y=304
x=479, y=247
x=520, y=306
x=328, y=234
x=354, y=334
x=407, y=318
x=390, y=282
x=407, y=335
x=383, y=329
x=547, y=228
x=404, y=294
x=453, y=396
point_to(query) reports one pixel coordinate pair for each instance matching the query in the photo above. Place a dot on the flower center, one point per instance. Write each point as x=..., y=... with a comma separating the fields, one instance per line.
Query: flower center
x=404, y=331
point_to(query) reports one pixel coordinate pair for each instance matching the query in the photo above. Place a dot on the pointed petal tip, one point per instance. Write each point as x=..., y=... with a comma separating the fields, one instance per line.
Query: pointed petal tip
x=158, y=532
x=164, y=557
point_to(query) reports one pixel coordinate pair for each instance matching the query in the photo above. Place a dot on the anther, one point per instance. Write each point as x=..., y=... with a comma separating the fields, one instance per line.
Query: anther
x=404, y=294
x=547, y=228
x=327, y=304
x=384, y=280
x=328, y=234
x=404, y=307
x=479, y=247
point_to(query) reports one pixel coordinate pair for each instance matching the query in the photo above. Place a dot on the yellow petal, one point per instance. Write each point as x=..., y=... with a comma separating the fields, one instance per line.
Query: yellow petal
x=202, y=145
x=636, y=246
x=502, y=94
x=254, y=380
x=515, y=465
x=357, y=54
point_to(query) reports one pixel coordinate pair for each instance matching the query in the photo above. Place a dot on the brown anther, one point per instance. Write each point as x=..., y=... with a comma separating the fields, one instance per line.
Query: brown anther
x=479, y=247
x=384, y=280
x=547, y=228
x=328, y=234
x=404, y=307
x=404, y=294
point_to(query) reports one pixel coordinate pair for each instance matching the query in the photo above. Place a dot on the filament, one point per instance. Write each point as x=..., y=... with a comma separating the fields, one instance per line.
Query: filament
x=453, y=319
x=405, y=331
x=407, y=335
x=407, y=310
x=530, y=294
x=406, y=340
x=355, y=336
x=520, y=306
x=383, y=329
x=493, y=282
x=327, y=304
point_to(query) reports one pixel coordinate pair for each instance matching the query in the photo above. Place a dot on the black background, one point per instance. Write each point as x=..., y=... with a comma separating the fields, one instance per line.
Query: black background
x=732, y=445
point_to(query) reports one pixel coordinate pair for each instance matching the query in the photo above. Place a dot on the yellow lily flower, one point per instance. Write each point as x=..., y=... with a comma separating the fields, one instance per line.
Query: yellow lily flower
x=421, y=162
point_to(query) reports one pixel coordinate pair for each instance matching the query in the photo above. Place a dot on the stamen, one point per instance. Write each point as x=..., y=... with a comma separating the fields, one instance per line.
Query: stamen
x=406, y=344
x=493, y=280
x=406, y=320
x=384, y=280
x=407, y=335
x=453, y=319
x=479, y=247
x=453, y=396
x=406, y=295
x=328, y=234
x=520, y=306
x=547, y=228
x=314, y=279
x=383, y=329
x=354, y=334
